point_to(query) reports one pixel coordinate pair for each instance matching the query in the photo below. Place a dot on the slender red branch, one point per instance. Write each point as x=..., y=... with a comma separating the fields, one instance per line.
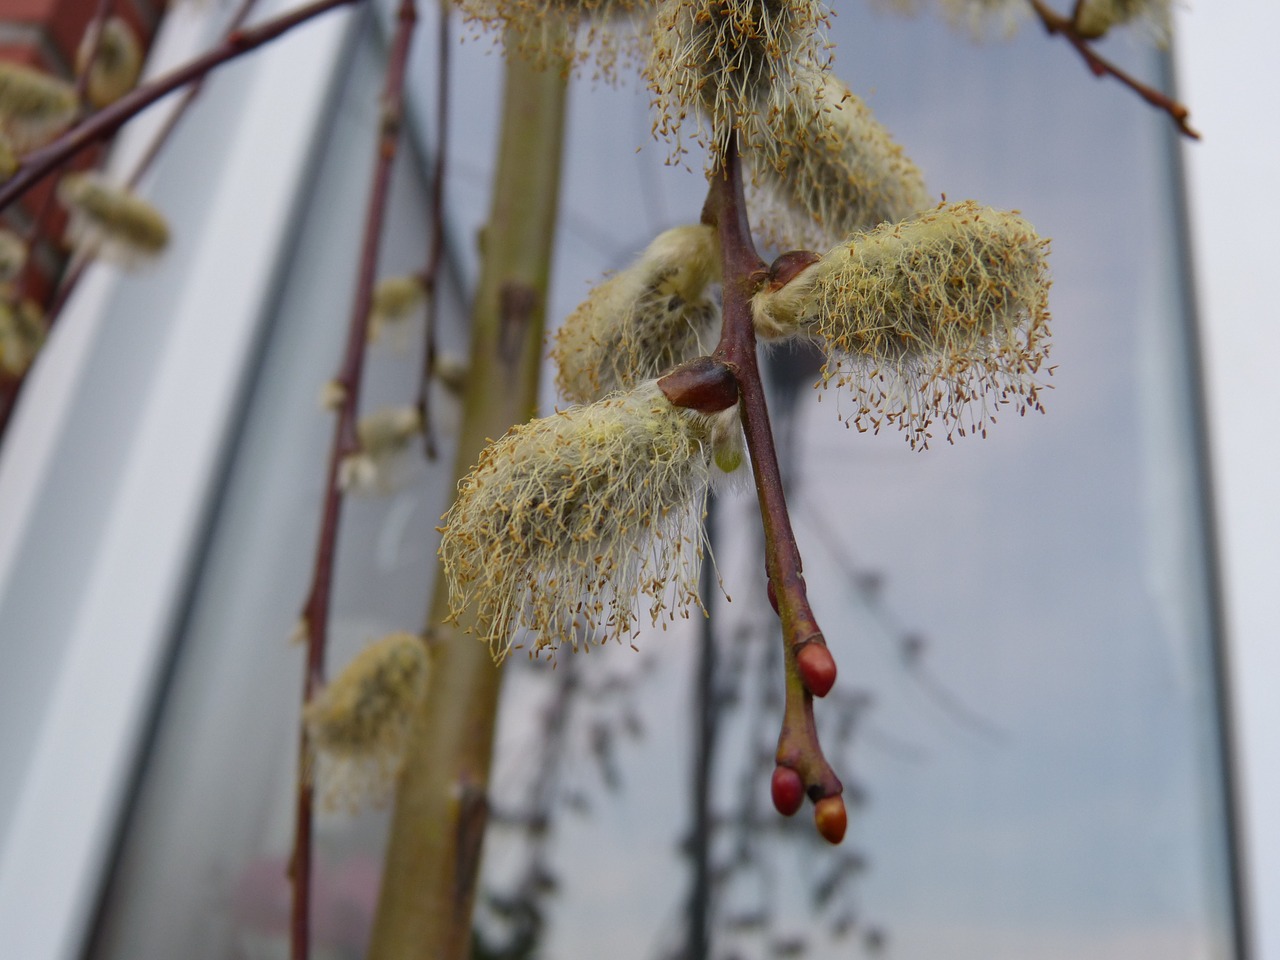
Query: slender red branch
x=809, y=667
x=345, y=443
x=435, y=252
x=1100, y=66
x=107, y=121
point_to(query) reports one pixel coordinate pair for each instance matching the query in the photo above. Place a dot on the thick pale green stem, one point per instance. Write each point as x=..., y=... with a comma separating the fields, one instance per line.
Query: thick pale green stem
x=428, y=887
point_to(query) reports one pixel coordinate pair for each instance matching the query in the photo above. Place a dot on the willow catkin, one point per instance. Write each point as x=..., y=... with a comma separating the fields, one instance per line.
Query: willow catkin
x=111, y=221
x=939, y=318
x=34, y=106
x=557, y=32
x=722, y=61
x=567, y=520
x=22, y=330
x=1094, y=18
x=823, y=167
x=358, y=725
x=116, y=64
x=13, y=255
x=395, y=301
x=642, y=321
x=384, y=435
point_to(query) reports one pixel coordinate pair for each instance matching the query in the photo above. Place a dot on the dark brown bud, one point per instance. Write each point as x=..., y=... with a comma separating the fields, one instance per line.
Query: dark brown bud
x=702, y=384
x=788, y=266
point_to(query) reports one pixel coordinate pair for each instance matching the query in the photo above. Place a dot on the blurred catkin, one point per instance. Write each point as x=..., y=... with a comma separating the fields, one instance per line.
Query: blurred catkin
x=33, y=105
x=116, y=65
x=642, y=321
x=940, y=318
x=22, y=330
x=566, y=521
x=1095, y=17
x=358, y=724
x=111, y=221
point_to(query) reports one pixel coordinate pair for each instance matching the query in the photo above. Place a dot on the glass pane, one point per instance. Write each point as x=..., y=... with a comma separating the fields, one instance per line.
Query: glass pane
x=1026, y=713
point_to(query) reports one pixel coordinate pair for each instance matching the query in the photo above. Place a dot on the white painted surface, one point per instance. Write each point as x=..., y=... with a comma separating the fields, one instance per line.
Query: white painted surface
x=1229, y=75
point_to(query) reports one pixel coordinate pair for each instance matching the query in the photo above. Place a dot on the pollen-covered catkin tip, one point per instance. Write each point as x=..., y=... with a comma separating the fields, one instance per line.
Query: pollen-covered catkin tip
x=117, y=62
x=787, y=790
x=831, y=819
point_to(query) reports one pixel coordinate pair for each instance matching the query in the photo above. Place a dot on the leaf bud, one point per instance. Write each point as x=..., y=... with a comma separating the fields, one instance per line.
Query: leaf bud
x=831, y=818
x=34, y=106
x=787, y=790
x=816, y=666
x=644, y=320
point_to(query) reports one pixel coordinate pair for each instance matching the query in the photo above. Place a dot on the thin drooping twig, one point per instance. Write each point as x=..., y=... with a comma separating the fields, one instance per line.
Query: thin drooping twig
x=810, y=669
x=1100, y=66
x=107, y=121
x=345, y=443
x=435, y=251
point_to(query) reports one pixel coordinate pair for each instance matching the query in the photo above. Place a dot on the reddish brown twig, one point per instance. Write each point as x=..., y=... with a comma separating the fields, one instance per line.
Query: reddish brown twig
x=810, y=669
x=1099, y=66
x=435, y=250
x=345, y=443
x=107, y=121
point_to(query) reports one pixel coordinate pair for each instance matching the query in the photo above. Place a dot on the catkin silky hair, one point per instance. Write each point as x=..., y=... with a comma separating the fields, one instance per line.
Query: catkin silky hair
x=641, y=322
x=567, y=520
x=943, y=317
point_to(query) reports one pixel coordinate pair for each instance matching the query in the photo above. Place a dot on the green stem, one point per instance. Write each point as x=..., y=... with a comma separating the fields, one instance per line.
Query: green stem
x=428, y=887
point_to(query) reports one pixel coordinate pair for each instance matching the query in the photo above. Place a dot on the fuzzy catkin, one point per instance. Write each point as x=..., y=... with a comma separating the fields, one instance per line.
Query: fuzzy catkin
x=1096, y=17
x=22, y=331
x=567, y=520
x=358, y=725
x=33, y=105
x=824, y=167
x=642, y=321
x=725, y=60
x=557, y=32
x=940, y=318
x=395, y=300
x=111, y=221
x=116, y=65
x=13, y=255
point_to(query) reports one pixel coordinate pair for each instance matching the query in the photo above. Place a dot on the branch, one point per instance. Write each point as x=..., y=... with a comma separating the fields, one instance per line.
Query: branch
x=107, y=121
x=810, y=670
x=1100, y=66
x=345, y=443
x=435, y=253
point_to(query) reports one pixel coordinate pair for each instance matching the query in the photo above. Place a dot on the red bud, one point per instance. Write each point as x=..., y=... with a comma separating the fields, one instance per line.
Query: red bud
x=830, y=818
x=773, y=597
x=817, y=668
x=788, y=790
